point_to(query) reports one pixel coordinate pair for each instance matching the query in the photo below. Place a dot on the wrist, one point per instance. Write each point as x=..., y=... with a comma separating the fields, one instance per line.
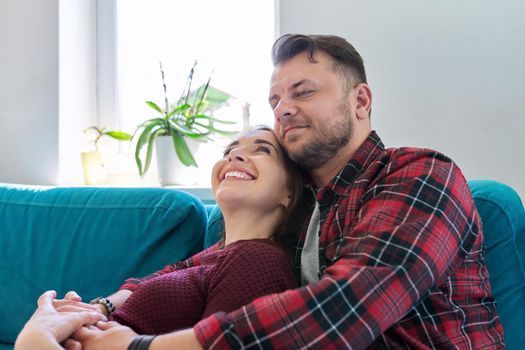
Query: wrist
x=105, y=303
x=141, y=342
x=183, y=339
x=27, y=339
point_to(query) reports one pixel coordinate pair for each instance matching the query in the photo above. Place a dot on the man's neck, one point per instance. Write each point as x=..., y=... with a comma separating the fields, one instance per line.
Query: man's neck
x=323, y=175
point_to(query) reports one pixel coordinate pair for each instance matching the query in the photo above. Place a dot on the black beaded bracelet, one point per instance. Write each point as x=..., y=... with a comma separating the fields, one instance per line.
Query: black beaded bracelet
x=142, y=342
x=105, y=302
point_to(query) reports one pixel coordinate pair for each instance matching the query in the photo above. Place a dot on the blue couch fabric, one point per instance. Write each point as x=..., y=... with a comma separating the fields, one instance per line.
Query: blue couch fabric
x=91, y=239
x=88, y=240
x=503, y=219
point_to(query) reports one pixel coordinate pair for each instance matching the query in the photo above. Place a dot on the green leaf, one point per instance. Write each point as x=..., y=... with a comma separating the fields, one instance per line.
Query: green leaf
x=149, y=149
x=155, y=107
x=144, y=139
x=208, y=117
x=182, y=108
x=217, y=131
x=119, y=135
x=156, y=121
x=182, y=129
x=216, y=97
x=183, y=152
x=213, y=97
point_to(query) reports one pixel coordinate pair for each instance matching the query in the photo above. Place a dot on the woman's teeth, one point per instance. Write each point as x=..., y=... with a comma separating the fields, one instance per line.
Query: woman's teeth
x=238, y=175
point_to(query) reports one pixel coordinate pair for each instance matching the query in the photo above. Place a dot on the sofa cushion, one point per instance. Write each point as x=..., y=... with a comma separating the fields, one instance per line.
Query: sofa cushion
x=503, y=219
x=215, y=227
x=88, y=240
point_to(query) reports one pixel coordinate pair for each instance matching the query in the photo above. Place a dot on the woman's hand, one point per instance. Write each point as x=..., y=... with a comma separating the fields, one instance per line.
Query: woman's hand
x=47, y=327
x=72, y=302
x=105, y=335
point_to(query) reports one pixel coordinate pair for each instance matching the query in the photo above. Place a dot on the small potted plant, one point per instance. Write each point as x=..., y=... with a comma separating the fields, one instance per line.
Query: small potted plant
x=93, y=161
x=179, y=129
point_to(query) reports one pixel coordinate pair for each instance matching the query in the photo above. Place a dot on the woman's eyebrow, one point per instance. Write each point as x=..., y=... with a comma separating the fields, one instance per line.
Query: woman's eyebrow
x=266, y=142
x=234, y=143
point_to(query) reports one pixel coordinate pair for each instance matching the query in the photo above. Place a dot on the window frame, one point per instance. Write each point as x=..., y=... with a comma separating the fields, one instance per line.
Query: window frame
x=107, y=76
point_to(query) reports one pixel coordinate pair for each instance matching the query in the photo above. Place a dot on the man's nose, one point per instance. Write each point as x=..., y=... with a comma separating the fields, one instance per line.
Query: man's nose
x=284, y=109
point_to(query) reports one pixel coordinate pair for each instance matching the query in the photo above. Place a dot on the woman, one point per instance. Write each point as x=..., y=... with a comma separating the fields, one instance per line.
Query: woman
x=256, y=187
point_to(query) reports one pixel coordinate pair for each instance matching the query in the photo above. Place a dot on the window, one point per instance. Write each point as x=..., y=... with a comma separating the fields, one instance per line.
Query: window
x=231, y=40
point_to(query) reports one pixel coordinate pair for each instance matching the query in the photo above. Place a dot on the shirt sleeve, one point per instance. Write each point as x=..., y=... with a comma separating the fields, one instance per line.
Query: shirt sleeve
x=413, y=226
x=132, y=282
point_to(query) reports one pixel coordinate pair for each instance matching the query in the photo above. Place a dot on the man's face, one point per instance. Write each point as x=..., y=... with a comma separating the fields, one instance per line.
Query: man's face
x=313, y=114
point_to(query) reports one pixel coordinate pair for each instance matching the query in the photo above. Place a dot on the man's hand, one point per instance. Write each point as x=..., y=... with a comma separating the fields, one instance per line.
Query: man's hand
x=106, y=335
x=47, y=327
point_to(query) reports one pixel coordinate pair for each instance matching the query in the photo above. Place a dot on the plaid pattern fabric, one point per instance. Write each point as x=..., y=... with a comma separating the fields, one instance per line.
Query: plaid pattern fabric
x=401, y=262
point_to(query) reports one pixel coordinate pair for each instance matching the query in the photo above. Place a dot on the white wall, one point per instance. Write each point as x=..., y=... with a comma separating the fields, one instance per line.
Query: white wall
x=29, y=91
x=447, y=75
x=47, y=88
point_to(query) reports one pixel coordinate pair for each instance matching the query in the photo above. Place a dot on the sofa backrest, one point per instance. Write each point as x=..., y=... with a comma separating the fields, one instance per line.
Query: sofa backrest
x=88, y=240
x=503, y=219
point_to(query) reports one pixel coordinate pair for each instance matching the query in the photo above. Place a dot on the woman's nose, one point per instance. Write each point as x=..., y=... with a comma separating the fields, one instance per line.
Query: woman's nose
x=237, y=154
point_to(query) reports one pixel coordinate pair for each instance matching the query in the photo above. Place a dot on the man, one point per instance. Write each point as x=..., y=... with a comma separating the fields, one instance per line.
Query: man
x=391, y=250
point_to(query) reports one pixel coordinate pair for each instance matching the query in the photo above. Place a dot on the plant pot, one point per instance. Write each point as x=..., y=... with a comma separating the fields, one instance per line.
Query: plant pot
x=170, y=169
x=94, y=170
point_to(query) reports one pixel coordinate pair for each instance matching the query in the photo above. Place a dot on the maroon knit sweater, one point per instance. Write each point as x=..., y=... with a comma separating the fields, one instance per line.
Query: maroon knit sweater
x=224, y=280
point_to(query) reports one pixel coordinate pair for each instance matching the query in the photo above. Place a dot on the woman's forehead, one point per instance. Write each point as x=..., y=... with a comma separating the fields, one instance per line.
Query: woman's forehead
x=261, y=134
x=257, y=136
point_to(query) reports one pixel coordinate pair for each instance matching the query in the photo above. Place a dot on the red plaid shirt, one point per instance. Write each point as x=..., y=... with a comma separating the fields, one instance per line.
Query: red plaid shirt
x=401, y=266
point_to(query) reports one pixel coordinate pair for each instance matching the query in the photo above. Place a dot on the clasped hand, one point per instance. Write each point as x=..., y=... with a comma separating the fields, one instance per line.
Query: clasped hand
x=72, y=324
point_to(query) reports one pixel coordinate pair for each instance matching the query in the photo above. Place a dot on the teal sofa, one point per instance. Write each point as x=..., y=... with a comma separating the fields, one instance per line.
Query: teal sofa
x=90, y=239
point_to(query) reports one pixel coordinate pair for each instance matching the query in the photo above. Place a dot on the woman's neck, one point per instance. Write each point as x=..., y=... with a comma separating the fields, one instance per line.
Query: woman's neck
x=242, y=224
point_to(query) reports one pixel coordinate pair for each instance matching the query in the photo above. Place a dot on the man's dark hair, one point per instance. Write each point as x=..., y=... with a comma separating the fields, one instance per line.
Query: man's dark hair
x=347, y=60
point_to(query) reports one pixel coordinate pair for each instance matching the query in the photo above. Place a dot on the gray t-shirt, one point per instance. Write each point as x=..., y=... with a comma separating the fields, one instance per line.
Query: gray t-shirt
x=310, y=253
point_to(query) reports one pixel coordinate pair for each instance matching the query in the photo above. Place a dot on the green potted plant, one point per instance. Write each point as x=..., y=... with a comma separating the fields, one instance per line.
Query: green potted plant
x=93, y=161
x=187, y=120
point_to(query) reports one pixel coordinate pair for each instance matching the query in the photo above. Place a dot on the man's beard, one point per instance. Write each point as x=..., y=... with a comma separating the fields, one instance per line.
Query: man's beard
x=326, y=144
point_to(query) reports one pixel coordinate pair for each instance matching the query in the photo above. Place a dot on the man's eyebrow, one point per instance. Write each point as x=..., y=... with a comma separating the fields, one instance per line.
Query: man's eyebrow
x=299, y=83
x=292, y=87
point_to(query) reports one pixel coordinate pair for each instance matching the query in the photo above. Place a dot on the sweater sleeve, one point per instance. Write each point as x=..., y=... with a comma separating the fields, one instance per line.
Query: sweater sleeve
x=133, y=282
x=247, y=270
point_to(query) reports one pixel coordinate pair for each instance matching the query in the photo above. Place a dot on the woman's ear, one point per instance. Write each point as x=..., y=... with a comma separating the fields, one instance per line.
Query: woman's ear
x=286, y=201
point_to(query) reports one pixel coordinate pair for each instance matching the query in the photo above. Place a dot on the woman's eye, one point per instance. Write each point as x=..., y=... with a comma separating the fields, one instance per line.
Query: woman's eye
x=263, y=149
x=226, y=152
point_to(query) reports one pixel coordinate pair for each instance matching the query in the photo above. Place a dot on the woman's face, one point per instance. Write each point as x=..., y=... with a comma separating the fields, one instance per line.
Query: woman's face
x=252, y=173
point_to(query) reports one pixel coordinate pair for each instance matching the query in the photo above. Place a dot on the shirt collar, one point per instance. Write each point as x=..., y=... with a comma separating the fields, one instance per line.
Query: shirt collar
x=363, y=157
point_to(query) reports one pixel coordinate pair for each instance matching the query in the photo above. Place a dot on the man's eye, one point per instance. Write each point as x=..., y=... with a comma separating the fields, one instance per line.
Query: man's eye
x=226, y=152
x=263, y=149
x=303, y=93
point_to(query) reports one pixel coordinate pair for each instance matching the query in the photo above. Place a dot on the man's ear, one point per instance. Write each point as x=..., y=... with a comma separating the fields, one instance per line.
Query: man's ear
x=363, y=101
